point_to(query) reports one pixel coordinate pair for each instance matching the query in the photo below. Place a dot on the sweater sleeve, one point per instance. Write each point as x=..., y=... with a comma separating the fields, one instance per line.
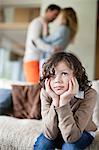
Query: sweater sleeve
x=49, y=116
x=59, y=38
x=72, y=125
x=43, y=46
x=53, y=37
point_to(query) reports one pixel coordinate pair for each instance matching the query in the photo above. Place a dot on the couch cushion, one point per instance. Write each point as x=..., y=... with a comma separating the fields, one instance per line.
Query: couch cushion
x=18, y=134
x=21, y=134
x=5, y=100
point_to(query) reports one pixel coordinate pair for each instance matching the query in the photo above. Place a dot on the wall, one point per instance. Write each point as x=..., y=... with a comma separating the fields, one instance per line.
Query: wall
x=84, y=46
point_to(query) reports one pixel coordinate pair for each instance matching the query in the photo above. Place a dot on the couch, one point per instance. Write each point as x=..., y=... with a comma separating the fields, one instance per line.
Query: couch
x=20, y=134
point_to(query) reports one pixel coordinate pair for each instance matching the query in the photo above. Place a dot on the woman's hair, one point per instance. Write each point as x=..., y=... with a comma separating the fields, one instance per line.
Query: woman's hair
x=72, y=62
x=69, y=18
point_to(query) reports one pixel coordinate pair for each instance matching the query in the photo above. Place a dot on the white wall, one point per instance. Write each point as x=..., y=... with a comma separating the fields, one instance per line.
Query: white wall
x=84, y=46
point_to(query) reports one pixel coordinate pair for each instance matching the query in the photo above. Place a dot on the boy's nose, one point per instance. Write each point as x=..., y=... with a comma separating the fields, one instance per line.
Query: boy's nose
x=58, y=79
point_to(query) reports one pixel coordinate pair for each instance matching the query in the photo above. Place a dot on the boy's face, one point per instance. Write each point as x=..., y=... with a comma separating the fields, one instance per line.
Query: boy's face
x=59, y=81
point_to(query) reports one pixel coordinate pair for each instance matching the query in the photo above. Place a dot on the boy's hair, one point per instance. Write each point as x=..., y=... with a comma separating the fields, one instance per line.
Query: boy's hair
x=72, y=62
x=53, y=7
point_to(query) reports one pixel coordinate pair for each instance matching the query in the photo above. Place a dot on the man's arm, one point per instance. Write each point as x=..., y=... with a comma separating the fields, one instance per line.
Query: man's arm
x=35, y=35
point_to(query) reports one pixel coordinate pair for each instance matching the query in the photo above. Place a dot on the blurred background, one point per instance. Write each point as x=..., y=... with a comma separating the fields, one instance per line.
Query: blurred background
x=15, y=17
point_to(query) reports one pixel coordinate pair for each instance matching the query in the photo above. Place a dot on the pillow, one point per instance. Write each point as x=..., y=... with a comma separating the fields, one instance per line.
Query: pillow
x=26, y=101
x=5, y=101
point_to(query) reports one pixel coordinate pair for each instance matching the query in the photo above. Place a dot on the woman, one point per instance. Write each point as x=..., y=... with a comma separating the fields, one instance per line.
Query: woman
x=66, y=32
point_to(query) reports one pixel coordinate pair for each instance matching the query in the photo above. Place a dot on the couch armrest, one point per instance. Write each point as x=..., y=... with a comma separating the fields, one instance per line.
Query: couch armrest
x=97, y=136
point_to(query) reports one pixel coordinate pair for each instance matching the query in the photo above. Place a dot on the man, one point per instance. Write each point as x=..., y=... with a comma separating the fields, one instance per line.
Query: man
x=34, y=39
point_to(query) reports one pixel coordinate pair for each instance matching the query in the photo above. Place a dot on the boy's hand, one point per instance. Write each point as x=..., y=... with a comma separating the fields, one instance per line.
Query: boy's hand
x=51, y=93
x=71, y=92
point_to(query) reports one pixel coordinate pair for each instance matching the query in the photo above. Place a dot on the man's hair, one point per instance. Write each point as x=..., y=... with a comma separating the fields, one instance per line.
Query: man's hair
x=53, y=7
x=73, y=63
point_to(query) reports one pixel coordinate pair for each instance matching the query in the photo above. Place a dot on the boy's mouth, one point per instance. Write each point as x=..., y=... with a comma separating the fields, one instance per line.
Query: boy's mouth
x=58, y=87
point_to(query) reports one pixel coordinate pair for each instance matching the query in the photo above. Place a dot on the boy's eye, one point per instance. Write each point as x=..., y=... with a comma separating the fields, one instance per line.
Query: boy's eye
x=64, y=73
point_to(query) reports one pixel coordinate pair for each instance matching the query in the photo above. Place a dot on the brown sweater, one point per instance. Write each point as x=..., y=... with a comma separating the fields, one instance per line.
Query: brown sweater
x=71, y=119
